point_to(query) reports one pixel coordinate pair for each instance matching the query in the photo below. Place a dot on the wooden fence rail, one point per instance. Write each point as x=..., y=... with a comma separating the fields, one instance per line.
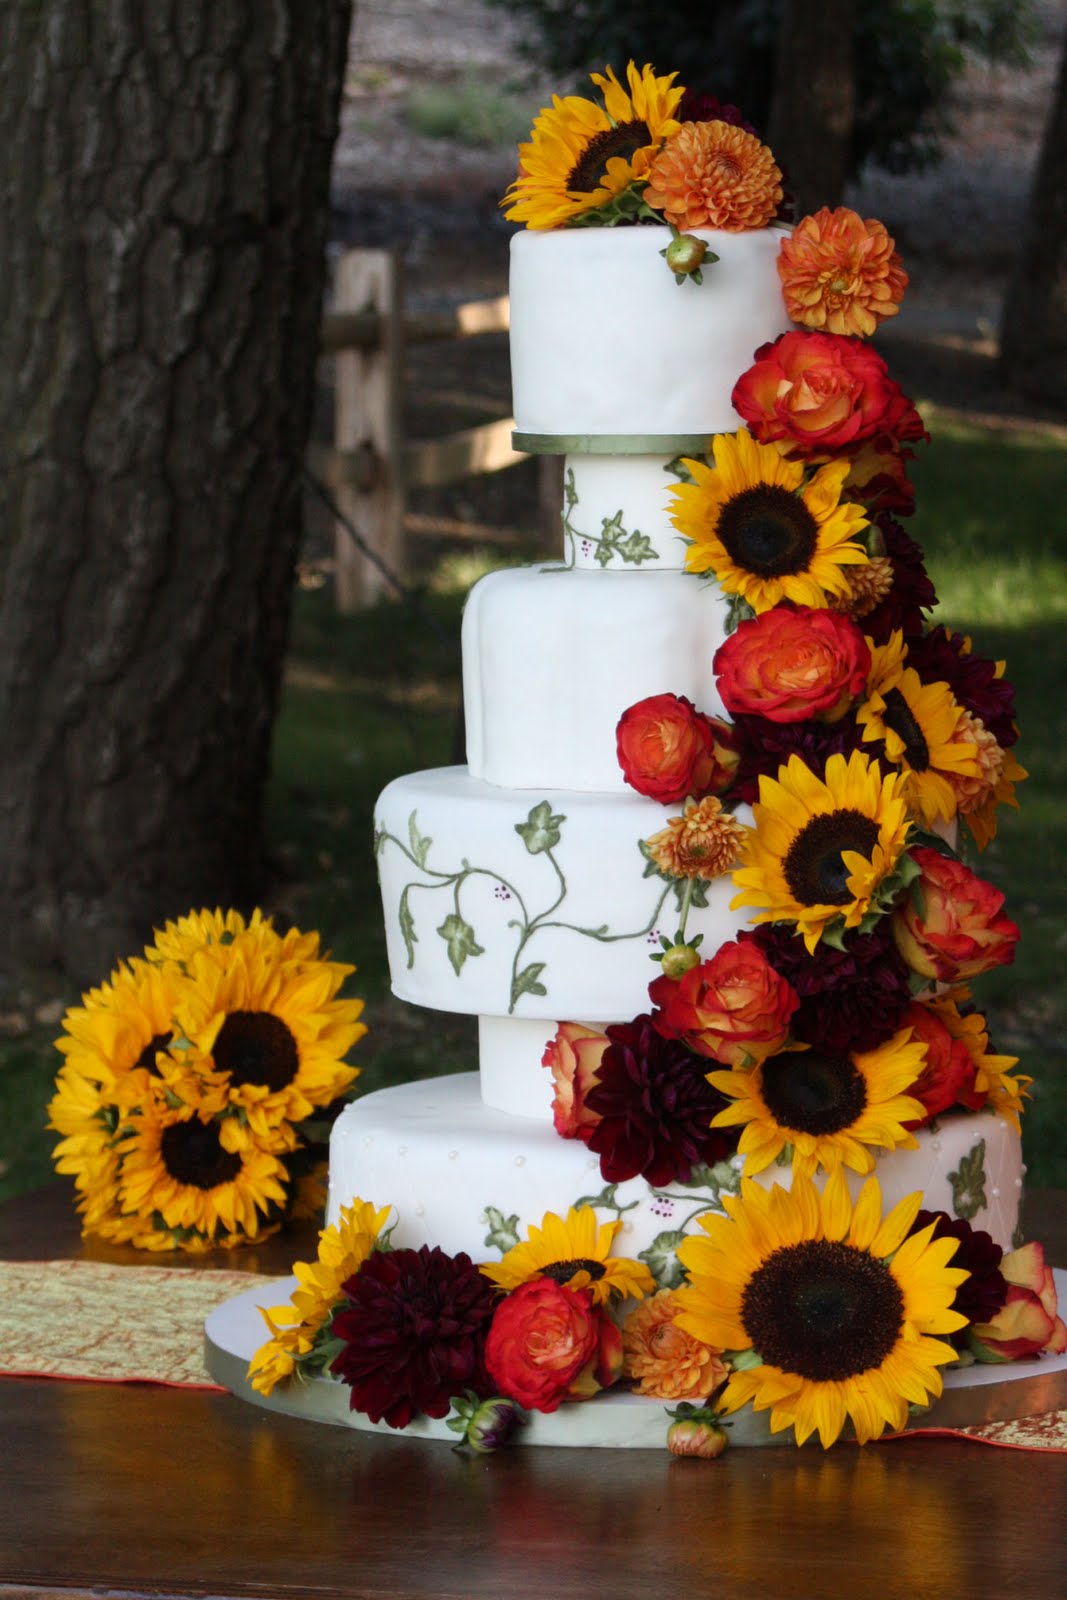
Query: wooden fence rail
x=371, y=467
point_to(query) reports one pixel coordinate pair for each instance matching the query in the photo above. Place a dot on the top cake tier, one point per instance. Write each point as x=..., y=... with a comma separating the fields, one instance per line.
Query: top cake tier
x=609, y=354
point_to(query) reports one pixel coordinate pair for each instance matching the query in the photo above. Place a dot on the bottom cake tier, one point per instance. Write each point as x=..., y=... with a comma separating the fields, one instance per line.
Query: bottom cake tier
x=465, y=1176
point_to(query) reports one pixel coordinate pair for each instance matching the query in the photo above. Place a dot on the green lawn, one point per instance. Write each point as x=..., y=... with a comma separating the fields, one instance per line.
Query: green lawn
x=369, y=697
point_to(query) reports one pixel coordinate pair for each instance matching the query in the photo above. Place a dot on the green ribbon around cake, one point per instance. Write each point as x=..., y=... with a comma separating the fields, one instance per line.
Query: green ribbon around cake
x=611, y=444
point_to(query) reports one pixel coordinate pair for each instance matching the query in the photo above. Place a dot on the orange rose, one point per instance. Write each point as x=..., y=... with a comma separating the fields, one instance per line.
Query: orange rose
x=789, y=666
x=948, y=1076
x=667, y=750
x=548, y=1343
x=950, y=927
x=1027, y=1323
x=734, y=1009
x=823, y=393
x=573, y=1056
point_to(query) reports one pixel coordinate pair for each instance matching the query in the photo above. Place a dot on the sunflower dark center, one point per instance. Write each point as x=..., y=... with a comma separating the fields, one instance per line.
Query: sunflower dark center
x=814, y=864
x=898, y=716
x=812, y=1092
x=768, y=530
x=563, y=1271
x=823, y=1310
x=192, y=1153
x=256, y=1047
x=625, y=139
x=147, y=1058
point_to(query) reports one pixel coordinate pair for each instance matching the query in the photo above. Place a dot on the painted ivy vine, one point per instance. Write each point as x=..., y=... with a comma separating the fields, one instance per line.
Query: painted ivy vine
x=613, y=541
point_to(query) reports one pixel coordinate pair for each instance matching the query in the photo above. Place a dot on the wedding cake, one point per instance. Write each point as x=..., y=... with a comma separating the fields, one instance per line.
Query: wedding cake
x=701, y=878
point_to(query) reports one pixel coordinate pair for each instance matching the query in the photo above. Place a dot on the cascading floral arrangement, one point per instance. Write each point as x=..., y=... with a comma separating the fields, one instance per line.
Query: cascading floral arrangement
x=863, y=739
x=199, y=1084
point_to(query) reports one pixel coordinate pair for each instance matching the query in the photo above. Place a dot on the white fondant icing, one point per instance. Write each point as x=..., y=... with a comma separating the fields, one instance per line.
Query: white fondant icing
x=616, y=514
x=520, y=1167
x=531, y=904
x=552, y=658
x=603, y=341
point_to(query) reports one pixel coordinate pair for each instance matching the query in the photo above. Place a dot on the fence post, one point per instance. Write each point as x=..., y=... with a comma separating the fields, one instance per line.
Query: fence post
x=367, y=420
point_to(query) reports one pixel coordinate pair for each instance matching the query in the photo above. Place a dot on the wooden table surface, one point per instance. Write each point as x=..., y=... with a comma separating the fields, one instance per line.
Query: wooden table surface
x=132, y=1490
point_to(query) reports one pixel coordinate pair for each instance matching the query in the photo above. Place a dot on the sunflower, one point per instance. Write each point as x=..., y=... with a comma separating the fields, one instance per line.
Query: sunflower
x=270, y=1022
x=582, y=156
x=297, y=1328
x=836, y=1304
x=177, y=941
x=179, y=1178
x=823, y=850
x=830, y=1106
x=923, y=728
x=769, y=529
x=123, y=1026
x=573, y=1252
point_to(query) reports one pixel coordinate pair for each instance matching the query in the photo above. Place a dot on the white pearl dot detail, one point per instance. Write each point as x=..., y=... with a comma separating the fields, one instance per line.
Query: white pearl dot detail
x=520, y=1161
x=401, y=1149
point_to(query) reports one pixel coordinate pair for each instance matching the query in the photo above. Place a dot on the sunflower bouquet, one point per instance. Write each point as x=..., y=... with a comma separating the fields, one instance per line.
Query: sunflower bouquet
x=199, y=1083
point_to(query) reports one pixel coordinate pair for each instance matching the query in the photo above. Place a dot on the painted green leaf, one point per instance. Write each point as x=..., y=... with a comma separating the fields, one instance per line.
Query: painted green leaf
x=968, y=1184
x=459, y=936
x=526, y=981
x=661, y=1259
x=420, y=842
x=605, y=1201
x=407, y=926
x=637, y=547
x=541, y=830
x=503, y=1231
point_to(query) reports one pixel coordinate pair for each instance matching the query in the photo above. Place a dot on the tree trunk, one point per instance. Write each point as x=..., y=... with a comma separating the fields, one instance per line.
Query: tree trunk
x=164, y=190
x=813, y=100
x=1033, y=340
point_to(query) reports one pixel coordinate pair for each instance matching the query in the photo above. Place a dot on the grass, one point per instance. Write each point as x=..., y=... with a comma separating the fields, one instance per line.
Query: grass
x=471, y=112
x=369, y=697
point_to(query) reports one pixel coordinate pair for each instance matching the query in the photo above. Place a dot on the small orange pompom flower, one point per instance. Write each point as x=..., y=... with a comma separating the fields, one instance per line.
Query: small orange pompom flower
x=840, y=274
x=713, y=175
x=704, y=842
x=668, y=1363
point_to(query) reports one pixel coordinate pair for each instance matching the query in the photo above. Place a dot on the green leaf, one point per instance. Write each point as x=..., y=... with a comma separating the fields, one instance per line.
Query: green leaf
x=541, y=830
x=503, y=1231
x=637, y=547
x=407, y=926
x=526, y=981
x=459, y=936
x=968, y=1184
x=661, y=1258
x=420, y=843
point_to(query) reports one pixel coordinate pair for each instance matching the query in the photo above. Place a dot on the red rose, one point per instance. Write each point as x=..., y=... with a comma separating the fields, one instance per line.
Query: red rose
x=949, y=1074
x=1027, y=1322
x=573, y=1056
x=950, y=926
x=544, y=1345
x=823, y=392
x=734, y=1008
x=668, y=750
x=789, y=666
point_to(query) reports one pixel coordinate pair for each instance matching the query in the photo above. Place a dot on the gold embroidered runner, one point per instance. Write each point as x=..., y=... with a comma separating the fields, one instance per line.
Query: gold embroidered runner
x=113, y=1324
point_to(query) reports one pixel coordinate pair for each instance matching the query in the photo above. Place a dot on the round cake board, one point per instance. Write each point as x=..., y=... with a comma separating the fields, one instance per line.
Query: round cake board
x=235, y=1330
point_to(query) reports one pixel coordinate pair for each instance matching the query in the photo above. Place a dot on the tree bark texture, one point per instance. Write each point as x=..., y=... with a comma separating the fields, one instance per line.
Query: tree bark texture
x=813, y=99
x=164, y=192
x=1033, y=341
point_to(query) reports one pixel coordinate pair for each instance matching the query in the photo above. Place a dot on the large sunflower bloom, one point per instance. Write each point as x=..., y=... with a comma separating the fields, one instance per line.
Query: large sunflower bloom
x=180, y=939
x=271, y=1023
x=821, y=848
x=831, y=1107
x=573, y=1252
x=297, y=1327
x=581, y=156
x=923, y=728
x=837, y=1304
x=179, y=1177
x=767, y=528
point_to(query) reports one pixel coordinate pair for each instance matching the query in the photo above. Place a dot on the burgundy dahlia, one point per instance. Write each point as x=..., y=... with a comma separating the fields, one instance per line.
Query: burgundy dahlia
x=698, y=107
x=911, y=593
x=414, y=1333
x=980, y=1296
x=940, y=657
x=764, y=746
x=655, y=1107
x=851, y=999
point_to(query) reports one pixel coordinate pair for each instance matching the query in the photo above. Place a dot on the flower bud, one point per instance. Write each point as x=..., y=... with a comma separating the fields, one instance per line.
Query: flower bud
x=492, y=1425
x=685, y=254
x=689, y=1437
x=678, y=960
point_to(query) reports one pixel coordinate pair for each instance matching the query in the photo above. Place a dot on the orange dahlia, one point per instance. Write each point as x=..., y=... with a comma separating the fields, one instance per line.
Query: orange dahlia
x=713, y=175
x=704, y=842
x=840, y=274
x=665, y=1361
